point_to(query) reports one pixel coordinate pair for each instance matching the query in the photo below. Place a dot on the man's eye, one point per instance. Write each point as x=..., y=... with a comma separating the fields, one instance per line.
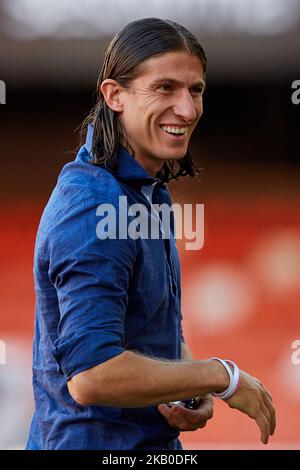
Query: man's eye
x=165, y=88
x=197, y=91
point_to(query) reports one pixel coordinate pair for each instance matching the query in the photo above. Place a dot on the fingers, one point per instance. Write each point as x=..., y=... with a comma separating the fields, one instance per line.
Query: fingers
x=264, y=415
x=263, y=424
x=269, y=405
x=166, y=411
x=184, y=419
x=175, y=418
x=260, y=414
x=200, y=415
x=267, y=392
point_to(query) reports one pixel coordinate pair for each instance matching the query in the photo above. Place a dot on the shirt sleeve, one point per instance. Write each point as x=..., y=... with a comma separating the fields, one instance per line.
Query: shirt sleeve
x=91, y=277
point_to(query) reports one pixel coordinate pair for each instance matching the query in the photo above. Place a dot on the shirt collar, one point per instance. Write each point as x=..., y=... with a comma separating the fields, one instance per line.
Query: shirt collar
x=127, y=169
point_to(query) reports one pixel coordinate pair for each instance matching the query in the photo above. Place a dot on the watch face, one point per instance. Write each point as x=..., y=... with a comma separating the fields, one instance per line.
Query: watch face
x=191, y=403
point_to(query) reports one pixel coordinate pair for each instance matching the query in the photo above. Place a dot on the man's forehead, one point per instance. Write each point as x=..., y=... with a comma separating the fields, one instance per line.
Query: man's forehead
x=173, y=66
x=198, y=81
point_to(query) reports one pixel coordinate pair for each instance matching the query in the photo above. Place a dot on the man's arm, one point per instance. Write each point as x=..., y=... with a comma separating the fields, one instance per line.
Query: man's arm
x=133, y=380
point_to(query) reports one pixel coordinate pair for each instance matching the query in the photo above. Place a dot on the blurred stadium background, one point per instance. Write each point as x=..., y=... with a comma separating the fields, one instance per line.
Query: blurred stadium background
x=241, y=292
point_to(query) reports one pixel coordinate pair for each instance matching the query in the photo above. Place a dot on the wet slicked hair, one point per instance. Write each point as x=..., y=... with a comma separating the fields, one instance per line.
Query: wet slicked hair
x=137, y=42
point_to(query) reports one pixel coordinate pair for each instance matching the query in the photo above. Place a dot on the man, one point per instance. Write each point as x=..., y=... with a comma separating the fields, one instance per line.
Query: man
x=109, y=354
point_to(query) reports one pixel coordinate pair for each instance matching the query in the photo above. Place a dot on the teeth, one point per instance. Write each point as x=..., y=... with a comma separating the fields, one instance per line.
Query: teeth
x=174, y=130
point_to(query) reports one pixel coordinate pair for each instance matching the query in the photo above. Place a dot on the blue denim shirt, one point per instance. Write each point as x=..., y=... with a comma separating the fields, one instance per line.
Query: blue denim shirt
x=96, y=298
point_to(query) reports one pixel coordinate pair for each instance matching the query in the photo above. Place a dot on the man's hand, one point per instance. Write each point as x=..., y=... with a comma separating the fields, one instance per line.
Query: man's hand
x=254, y=399
x=183, y=419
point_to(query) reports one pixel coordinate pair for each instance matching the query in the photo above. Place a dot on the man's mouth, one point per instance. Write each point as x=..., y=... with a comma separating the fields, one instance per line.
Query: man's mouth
x=174, y=130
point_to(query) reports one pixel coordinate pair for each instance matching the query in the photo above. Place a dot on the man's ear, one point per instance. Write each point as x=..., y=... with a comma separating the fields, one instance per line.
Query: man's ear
x=112, y=91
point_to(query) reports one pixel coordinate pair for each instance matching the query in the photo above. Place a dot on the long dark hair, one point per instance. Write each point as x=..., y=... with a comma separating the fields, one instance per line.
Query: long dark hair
x=138, y=41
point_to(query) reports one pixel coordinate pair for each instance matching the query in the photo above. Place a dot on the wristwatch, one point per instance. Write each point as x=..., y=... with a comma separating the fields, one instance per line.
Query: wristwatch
x=191, y=403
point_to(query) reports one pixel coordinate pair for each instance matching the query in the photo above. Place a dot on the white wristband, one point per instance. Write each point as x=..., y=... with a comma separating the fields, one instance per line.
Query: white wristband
x=234, y=377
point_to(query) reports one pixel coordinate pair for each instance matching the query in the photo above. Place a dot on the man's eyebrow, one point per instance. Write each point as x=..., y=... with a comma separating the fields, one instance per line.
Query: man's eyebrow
x=172, y=81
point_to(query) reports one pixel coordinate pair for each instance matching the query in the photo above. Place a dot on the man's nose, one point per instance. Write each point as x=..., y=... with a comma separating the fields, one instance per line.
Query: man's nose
x=185, y=106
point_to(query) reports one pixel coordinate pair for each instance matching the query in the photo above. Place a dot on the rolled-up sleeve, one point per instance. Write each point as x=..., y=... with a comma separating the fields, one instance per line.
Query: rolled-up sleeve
x=91, y=277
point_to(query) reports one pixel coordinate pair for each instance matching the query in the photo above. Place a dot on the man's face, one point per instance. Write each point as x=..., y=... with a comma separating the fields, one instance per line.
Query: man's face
x=162, y=107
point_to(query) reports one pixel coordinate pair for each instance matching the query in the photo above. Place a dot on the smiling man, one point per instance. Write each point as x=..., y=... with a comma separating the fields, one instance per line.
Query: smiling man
x=161, y=108
x=111, y=369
